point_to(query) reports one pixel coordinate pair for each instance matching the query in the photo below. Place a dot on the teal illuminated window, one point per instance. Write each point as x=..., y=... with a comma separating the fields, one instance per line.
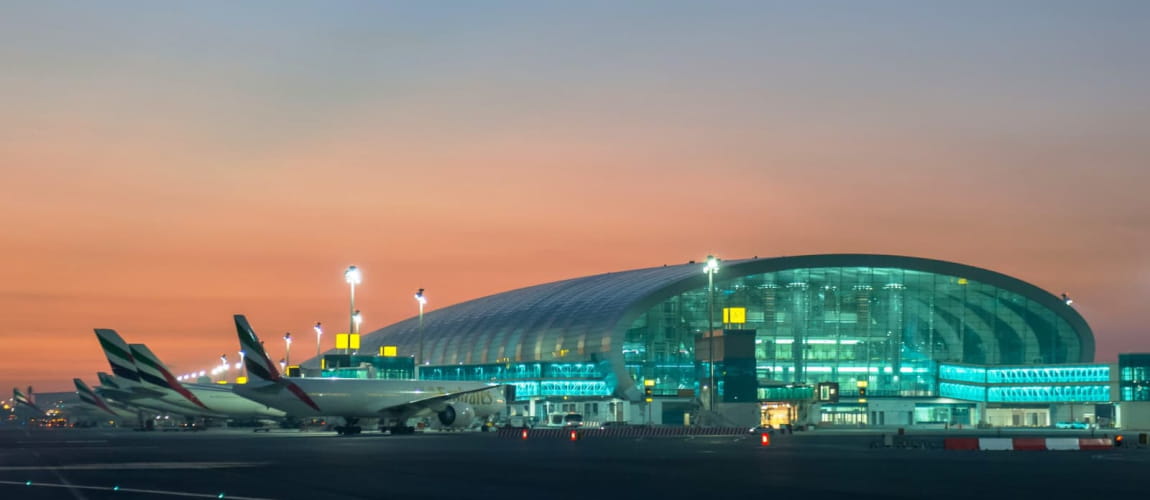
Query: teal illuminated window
x=1048, y=374
x=974, y=374
x=1134, y=376
x=962, y=391
x=573, y=388
x=1048, y=393
x=798, y=393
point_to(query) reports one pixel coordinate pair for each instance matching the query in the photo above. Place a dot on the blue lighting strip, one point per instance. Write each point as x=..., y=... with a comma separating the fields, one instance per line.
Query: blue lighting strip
x=962, y=373
x=1048, y=374
x=962, y=391
x=1049, y=394
x=546, y=388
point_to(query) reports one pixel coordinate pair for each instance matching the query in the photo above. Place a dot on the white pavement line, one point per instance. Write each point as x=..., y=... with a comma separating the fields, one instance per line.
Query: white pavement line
x=75, y=492
x=137, y=465
x=30, y=484
x=71, y=441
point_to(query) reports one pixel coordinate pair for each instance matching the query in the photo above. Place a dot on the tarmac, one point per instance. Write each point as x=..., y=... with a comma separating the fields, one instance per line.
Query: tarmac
x=233, y=463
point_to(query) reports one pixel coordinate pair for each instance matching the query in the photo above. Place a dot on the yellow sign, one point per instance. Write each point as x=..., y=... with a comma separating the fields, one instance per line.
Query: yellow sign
x=649, y=382
x=347, y=341
x=241, y=380
x=734, y=315
x=387, y=351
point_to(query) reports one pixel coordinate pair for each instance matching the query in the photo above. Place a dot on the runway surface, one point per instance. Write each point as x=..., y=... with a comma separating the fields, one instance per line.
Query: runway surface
x=121, y=464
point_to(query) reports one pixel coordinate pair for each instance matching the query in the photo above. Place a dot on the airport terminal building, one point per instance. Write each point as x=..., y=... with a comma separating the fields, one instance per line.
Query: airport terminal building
x=842, y=339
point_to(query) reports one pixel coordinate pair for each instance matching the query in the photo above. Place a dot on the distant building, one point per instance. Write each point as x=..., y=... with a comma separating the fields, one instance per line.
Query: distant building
x=843, y=339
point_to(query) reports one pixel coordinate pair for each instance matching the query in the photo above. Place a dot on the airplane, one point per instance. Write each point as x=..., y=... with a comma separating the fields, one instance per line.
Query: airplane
x=90, y=397
x=127, y=382
x=114, y=392
x=393, y=402
x=216, y=398
x=20, y=398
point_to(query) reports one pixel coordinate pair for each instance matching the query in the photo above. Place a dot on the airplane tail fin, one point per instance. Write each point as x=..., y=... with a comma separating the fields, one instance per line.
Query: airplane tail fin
x=260, y=365
x=107, y=380
x=152, y=371
x=118, y=353
x=89, y=396
x=20, y=398
x=256, y=359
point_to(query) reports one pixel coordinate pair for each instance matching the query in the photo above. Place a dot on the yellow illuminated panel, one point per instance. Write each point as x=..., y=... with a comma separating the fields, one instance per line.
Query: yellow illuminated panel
x=354, y=341
x=241, y=380
x=962, y=281
x=341, y=341
x=734, y=315
x=387, y=351
x=649, y=382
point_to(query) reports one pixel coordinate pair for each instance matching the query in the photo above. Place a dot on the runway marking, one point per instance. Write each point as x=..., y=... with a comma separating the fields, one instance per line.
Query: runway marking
x=137, y=465
x=70, y=441
x=31, y=484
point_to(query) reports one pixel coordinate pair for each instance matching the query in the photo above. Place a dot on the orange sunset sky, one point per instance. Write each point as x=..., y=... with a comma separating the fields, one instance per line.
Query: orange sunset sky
x=164, y=165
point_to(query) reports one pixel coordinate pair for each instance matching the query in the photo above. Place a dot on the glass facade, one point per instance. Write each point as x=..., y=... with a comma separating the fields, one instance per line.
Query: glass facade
x=895, y=325
x=1134, y=376
x=887, y=327
x=1098, y=393
x=1025, y=374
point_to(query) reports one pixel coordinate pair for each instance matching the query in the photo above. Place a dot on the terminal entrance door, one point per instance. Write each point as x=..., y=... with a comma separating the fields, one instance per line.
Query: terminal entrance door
x=777, y=414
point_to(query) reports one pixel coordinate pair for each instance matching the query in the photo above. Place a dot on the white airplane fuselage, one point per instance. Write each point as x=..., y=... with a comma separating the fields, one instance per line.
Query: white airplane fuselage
x=360, y=398
x=139, y=394
x=222, y=399
x=127, y=398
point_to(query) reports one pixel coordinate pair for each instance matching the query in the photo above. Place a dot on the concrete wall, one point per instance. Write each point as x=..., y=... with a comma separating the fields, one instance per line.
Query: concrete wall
x=1134, y=415
x=741, y=414
x=890, y=413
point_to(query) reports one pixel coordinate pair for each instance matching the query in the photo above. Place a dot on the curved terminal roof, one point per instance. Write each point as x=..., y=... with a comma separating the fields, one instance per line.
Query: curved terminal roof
x=586, y=318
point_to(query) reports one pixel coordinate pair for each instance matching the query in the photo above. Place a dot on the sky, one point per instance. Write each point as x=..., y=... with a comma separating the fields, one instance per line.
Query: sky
x=164, y=165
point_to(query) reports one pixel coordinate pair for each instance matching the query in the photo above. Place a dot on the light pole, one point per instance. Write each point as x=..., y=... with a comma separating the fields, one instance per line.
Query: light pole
x=711, y=268
x=353, y=277
x=318, y=333
x=224, y=368
x=287, y=349
x=422, y=299
x=356, y=319
x=243, y=367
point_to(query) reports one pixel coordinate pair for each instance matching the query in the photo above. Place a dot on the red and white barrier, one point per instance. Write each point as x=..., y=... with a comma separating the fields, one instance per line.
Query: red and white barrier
x=1028, y=444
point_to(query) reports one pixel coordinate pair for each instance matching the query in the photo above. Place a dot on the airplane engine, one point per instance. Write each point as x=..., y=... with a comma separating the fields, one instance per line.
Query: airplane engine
x=458, y=415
